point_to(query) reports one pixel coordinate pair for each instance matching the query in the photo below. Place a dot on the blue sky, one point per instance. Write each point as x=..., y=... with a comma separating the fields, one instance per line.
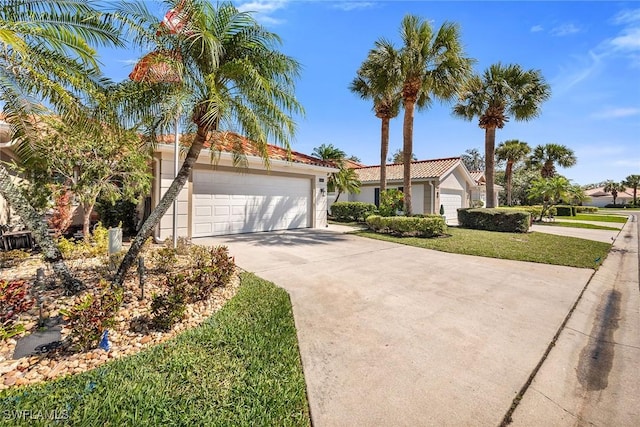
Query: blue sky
x=589, y=52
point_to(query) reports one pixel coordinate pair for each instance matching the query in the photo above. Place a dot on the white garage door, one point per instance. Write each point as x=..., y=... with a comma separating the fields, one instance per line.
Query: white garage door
x=232, y=202
x=452, y=201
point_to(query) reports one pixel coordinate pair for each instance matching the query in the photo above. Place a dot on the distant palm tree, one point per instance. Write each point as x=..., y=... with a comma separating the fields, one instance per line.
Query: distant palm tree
x=501, y=91
x=633, y=181
x=511, y=151
x=614, y=188
x=577, y=195
x=545, y=157
x=46, y=56
x=379, y=79
x=223, y=69
x=329, y=153
x=433, y=65
x=473, y=160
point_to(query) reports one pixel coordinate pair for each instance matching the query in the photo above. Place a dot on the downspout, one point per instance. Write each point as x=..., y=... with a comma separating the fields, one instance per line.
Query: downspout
x=433, y=196
x=157, y=164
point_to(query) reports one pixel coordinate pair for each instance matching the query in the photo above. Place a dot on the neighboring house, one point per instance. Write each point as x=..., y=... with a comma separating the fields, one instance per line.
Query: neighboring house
x=222, y=199
x=600, y=199
x=439, y=182
x=479, y=193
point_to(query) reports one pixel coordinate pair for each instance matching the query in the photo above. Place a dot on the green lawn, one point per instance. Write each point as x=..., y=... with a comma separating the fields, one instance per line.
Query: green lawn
x=576, y=224
x=241, y=367
x=594, y=217
x=535, y=247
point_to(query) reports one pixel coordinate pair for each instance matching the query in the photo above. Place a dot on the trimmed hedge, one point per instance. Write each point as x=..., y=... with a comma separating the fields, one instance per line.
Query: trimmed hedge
x=535, y=211
x=565, y=210
x=586, y=209
x=512, y=221
x=352, y=211
x=427, y=226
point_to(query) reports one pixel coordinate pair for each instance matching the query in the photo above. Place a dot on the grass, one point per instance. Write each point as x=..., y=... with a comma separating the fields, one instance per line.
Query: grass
x=593, y=217
x=577, y=225
x=535, y=247
x=241, y=367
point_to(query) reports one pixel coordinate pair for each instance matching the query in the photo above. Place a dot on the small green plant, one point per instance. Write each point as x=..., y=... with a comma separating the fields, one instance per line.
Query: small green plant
x=213, y=267
x=182, y=245
x=96, y=245
x=391, y=201
x=352, y=211
x=14, y=299
x=91, y=315
x=165, y=259
x=168, y=309
x=12, y=258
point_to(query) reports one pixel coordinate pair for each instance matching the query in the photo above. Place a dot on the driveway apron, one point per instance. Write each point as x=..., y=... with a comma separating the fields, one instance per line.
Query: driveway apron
x=396, y=335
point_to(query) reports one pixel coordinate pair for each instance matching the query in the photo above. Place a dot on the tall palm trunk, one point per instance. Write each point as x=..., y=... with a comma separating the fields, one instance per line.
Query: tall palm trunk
x=384, y=151
x=407, y=147
x=162, y=207
x=38, y=228
x=509, y=173
x=489, y=161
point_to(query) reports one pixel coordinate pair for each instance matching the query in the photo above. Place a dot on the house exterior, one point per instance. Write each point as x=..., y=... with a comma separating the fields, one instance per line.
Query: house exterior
x=221, y=198
x=435, y=183
x=600, y=198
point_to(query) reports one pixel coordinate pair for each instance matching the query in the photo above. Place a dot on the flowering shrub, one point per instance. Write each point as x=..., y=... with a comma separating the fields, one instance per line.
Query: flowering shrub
x=62, y=215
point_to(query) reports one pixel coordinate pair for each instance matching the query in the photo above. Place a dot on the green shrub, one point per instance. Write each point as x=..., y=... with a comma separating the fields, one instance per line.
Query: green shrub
x=96, y=245
x=352, y=211
x=494, y=219
x=122, y=214
x=168, y=309
x=165, y=259
x=586, y=209
x=14, y=299
x=91, y=315
x=565, y=210
x=391, y=201
x=212, y=268
x=427, y=226
x=535, y=211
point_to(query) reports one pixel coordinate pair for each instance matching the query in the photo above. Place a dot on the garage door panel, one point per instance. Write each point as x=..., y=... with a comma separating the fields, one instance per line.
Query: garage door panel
x=249, y=203
x=451, y=202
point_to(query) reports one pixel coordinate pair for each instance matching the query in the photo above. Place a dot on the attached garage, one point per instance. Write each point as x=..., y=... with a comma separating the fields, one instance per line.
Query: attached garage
x=221, y=198
x=234, y=202
x=451, y=201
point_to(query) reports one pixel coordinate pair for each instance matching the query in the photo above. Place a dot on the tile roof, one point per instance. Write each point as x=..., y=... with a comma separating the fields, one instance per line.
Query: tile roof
x=230, y=142
x=422, y=169
x=599, y=192
x=478, y=176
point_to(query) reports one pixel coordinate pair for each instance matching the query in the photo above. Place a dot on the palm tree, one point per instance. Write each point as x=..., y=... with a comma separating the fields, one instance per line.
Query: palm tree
x=46, y=57
x=379, y=79
x=329, y=153
x=614, y=188
x=432, y=67
x=633, y=181
x=511, y=151
x=545, y=157
x=344, y=181
x=224, y=69
x=500, y=92
x=576, y=195
x=550, y=190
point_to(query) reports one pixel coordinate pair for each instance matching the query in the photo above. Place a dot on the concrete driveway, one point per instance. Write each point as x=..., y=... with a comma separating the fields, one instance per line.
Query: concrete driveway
x=396, y=335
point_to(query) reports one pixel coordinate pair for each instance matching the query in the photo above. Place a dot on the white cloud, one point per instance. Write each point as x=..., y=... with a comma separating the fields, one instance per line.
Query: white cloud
x=627, y=16
x=634, y=163
x=628, y=40
x=615, y=113
x=352, y=5
x=537, y=28
x=565, y=30
x=263, y=9
x=128, y=61
x=599, y=151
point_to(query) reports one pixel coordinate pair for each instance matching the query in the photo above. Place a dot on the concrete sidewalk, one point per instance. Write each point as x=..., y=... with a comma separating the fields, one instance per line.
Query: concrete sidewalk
x=592, y=375
x=606, y=236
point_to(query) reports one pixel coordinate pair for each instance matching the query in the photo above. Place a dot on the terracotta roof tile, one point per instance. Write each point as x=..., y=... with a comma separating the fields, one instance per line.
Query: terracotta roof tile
x=422, y=169
x=230, y=142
